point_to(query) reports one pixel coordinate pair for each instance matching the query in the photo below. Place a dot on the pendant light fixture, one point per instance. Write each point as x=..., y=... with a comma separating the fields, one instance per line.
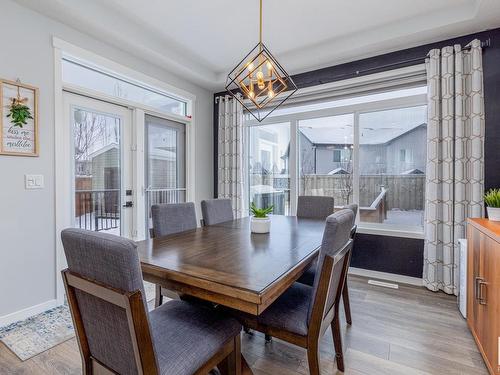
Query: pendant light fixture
x=259, y=82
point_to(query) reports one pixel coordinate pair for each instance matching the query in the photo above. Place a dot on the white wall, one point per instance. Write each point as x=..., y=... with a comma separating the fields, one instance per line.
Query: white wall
x=27, y=222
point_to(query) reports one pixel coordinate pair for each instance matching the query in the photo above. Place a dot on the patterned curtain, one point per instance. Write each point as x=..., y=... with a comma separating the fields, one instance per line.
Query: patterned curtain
x=455, y=158
x=232, y=169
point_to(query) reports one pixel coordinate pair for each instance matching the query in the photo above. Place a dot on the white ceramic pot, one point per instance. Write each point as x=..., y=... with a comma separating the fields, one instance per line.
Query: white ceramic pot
x=493, y=213
x=260, y=225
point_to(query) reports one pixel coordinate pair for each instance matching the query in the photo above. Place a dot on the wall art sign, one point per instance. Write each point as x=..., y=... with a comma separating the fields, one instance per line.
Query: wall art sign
x=18, y=119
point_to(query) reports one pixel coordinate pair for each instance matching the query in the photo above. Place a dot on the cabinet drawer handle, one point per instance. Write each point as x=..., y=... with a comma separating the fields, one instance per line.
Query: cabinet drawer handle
x=481, y=298
x=476, y=287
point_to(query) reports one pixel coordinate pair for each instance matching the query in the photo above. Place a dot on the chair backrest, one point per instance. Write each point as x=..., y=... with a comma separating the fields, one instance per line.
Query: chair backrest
x=332, y=264
x=314, y=207
x=354, y=208
x=173, y=218
x=216, y=211
x=106, y=296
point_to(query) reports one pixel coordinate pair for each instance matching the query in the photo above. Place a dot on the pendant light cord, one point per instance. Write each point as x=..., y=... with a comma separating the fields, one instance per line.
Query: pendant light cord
x=260, y=29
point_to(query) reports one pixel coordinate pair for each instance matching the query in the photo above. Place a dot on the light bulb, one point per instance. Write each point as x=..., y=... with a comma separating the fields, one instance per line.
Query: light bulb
x=250, y=66
x=260, y=80
x=269, y=68
x=251, y=94
x=270, y=92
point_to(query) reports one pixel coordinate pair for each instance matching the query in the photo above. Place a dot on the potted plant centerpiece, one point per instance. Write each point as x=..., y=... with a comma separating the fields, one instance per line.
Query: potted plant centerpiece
x=260, y=222
x=492, y=200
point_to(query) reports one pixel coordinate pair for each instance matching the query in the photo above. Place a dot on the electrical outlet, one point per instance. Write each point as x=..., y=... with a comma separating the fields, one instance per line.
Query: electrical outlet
x=33, y=181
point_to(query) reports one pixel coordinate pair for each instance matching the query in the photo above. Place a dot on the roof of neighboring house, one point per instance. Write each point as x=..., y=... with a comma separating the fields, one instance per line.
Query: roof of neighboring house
x=339, y=129
x=338, y=171
x=104, y=149
x=413, y=171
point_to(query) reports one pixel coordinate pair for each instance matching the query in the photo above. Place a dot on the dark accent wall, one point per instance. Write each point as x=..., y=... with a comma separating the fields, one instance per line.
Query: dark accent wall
x=398, y=255
x=383, y=253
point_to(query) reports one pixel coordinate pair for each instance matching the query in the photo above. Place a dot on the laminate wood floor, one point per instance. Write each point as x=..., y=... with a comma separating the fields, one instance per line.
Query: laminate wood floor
x=406, y=331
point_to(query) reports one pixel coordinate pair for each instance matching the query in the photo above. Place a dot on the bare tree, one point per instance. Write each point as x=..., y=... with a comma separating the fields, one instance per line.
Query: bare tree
x=345, y=179
x=87, y=129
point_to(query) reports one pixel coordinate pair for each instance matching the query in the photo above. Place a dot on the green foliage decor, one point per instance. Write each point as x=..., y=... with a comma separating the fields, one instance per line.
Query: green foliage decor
x=260, y=212
x=19, y=113
x=492, y=198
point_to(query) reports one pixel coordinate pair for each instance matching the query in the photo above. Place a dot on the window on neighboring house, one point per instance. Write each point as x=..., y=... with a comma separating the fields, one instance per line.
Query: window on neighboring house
x=337, y=156
x=361, y=150
x=402, y=155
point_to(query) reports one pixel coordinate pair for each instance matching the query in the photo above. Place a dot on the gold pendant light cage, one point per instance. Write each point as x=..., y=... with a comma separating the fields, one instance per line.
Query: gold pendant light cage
x=259, y=82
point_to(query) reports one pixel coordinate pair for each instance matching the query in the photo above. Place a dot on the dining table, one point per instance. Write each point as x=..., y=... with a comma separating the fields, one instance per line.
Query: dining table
x=229, y=265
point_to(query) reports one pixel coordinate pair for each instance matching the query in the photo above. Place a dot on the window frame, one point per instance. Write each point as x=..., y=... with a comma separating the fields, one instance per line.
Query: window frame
x=355, y=109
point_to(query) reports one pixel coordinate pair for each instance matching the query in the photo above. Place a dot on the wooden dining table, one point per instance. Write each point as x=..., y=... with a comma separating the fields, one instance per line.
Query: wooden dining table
x=228, y=265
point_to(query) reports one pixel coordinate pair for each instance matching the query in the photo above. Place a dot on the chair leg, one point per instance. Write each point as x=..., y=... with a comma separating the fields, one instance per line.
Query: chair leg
x=347, y=305
x=337, y=342
x=158, y=296
x=313, y=359
x=231, y=365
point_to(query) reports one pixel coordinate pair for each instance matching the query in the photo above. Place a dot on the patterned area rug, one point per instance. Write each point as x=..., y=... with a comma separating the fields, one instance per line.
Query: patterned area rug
x=41, y=332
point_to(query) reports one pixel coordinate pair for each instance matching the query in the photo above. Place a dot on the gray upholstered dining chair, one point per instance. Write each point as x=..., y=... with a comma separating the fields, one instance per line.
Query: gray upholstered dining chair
x=314, y=207
x=302, y=313
x=215, y=211
x=173, y=218
x=169, y=219
x=114, y=330
x=308, y=276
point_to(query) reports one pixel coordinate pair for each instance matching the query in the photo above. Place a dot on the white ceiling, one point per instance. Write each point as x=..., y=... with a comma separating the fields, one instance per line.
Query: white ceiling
x=203, y=40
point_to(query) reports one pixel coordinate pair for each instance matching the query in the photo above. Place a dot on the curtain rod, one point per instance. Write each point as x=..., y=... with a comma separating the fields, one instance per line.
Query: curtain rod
x=484, y=44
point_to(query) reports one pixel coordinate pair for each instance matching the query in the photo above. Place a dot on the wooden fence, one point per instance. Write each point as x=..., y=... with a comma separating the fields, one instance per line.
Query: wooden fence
x=404, y=192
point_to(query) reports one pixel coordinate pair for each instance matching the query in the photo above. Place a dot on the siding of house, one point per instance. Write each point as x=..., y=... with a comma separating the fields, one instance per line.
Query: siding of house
x=101, y=163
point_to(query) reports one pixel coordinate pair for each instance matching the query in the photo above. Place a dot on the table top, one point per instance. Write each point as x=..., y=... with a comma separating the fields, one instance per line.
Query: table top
x=228, y=254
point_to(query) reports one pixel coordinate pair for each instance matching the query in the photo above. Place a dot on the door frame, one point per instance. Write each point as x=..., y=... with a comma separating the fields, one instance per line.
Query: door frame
x=62, y=149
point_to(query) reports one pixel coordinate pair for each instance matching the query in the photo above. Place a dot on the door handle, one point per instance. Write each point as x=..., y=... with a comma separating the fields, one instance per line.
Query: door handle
x=128, y=204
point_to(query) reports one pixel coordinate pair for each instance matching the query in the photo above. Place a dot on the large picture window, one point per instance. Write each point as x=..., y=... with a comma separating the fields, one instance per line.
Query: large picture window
x=369, y=149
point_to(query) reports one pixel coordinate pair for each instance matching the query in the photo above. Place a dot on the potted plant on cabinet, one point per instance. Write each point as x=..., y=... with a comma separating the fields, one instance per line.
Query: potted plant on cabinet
x=260, y=222
x=492, y=200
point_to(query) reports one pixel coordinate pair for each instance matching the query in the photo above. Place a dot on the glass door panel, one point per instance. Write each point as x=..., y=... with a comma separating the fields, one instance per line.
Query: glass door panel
x=269, y=172
x=165, y=163
x=101, y=173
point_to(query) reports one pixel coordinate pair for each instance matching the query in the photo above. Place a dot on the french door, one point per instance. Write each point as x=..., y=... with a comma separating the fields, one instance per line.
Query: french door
x=165, y=163
x=102, y=178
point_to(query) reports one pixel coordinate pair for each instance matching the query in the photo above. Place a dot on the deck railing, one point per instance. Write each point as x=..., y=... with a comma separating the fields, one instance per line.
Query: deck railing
x=97, y=210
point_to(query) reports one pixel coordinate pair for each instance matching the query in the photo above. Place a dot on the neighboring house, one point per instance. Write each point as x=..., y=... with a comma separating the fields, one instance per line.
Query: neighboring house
x=398, y=154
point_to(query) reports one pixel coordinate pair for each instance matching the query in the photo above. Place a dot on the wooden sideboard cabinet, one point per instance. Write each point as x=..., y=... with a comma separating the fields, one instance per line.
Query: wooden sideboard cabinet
x=483, y=288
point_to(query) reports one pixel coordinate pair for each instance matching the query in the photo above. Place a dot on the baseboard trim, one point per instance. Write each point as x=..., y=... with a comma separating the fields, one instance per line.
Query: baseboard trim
x=27, y=312
x=385, y=276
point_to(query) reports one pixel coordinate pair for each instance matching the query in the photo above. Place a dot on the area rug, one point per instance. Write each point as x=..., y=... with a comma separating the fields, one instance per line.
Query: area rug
x=32, y=336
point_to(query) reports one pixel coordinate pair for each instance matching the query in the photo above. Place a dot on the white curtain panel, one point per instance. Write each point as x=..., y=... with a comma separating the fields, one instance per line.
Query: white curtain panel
x=232, y=169
x=455, y=158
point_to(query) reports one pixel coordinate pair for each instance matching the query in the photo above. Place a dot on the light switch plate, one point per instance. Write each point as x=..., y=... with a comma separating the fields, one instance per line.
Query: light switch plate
x=33, y=181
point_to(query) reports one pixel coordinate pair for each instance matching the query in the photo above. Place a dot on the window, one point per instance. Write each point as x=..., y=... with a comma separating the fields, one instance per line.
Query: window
x=367, y=149
x=391, y=186
x=96, y=80
x=268, y=167
x=320, y=174
x=337, y=155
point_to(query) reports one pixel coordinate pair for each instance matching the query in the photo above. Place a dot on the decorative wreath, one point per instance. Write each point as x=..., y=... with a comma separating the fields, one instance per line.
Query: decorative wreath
x=19, y=112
